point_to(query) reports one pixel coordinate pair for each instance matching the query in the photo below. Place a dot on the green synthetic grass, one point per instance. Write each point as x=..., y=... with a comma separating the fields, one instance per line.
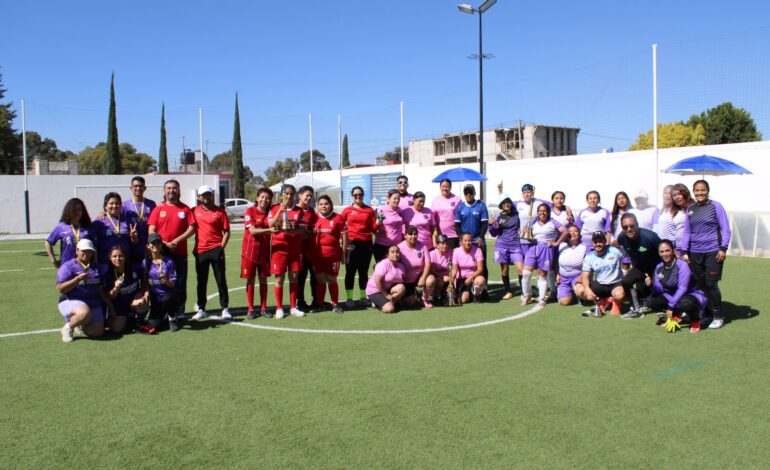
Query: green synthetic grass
x=552, y=390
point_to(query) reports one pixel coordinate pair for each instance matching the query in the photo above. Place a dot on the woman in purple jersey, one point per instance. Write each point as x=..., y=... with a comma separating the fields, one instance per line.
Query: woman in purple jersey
x=125, y=287
x=680, y=196
x=621, y=205
x=548, y=235
x=74, y=225
x=571, y=256
x=705, y=246
x=115, y=227
x=161, y=281
x=593, y=218
x=672, y=292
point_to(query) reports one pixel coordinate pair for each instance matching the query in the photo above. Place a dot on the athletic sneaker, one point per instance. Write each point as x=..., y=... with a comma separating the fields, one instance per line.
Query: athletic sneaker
x=717, y=323
x=525, y=299
x=365, y=303
x=172, y=326
x=146, y=329
x=350, y=303
x=507, y=296
x=426, y=303
x=541, y=303
x=296, y=312
x=336, y=308
x=279, y=313
x=644, y=310
x=588, y=312
x=266, y=313
x=661, y=321
x=632, y=313
x=251, y=315
x=67, y=335
x=226, y=314
x=202, y=314
x=695, y=326
x=477, y=299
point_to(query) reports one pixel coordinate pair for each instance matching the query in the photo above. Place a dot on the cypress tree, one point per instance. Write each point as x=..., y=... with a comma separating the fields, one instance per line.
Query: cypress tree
x=10, y=142
x=112, y=163
x=163, y=152
x=345, y=154
x=237, y=155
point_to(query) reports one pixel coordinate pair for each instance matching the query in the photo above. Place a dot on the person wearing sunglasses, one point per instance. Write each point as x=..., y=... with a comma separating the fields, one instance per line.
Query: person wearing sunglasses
x=360, y=222
x=402, y=184
x=641, y=246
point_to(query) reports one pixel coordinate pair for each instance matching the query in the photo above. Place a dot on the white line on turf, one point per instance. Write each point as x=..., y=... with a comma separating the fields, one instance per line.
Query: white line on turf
x=11, y=270
x=27, y=333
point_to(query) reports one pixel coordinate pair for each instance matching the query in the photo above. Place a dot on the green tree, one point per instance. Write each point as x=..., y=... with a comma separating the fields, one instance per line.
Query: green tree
x=726, y=124
x=10, y=144
x=163, y=152
x=45, y=149
x=672, y=134
x=224, y=162
x=91, y=160
x=345, y=153
x=237, y=155
x=112, y=163
x=319, y=161
x=281, y=171
x=395, y=155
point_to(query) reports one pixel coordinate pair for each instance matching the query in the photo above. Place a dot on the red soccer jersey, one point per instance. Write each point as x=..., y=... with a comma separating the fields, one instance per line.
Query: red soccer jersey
x=361, y=222
x=170, y=221
x=287, y=241
x=212, y=225
x=255, y=248
x=328, y=232
x=309, y=218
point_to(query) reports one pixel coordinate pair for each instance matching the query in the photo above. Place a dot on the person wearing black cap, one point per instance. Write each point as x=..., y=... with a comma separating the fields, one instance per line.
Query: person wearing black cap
x=472, y=217
x=602, y=275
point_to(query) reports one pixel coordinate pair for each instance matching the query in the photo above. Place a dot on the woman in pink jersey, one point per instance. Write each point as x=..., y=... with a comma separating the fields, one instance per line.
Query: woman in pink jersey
x=390, y=226
x=443, y=207
x=414, y=257
x=438, y=279
x=421, y=218
x=467, y=266
x=386, y=285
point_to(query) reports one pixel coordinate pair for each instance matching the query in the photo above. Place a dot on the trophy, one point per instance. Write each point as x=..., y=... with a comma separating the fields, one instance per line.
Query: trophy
x=526, y=233
x=451, y=293
x=286, y=224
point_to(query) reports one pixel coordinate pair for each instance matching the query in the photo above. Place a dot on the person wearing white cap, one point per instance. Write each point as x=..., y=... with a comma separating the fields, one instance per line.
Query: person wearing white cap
x=175, y=223
x=646, y=215
x=81, y=295
x=211, y=238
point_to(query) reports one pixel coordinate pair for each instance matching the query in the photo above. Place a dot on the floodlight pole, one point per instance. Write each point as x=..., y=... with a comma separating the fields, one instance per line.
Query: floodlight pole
x=200, y=131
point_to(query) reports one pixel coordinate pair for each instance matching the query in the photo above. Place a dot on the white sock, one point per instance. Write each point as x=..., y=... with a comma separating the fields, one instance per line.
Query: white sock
x=526, y=282
x=542, y=285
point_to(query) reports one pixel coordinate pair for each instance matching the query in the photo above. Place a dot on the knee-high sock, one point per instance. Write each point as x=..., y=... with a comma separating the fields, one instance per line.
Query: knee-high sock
x=526, y=282
x=334, y=292
x=521, y=286
x=542, y=286
x=552, y=281
x=320, y=292
x=507, y=283
x=293, y=294
x=250, y=296
x=262, y=296
x=279, y=296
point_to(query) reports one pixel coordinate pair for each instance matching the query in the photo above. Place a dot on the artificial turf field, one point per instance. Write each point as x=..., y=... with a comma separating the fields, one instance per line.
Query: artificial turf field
x=552, y=389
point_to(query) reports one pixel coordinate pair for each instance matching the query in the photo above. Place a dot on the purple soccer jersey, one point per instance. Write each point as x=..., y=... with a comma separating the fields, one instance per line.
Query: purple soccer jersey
x=131, y=284
x=167, y=268
x=672, y=227
x=142, y=211
x=647, y=217
x=589, y=221
x=69, y=236
x=114, y=231
x=523, y=208
x=86, y=290
x=674, y=283
x=708, y=230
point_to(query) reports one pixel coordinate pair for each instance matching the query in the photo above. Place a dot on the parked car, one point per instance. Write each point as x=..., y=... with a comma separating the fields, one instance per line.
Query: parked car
x=236, y=208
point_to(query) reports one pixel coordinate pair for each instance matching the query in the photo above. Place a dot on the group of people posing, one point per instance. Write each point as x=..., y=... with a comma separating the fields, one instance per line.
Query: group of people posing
x=128, y=267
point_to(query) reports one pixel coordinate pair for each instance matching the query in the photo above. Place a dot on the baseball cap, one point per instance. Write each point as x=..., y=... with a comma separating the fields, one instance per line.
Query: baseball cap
x=469, y=187
x=599, y=235
x=641, y=194
x=441, y=238
x=153, y=238
x=85, y=245
x=527, y=187
x=205, y=189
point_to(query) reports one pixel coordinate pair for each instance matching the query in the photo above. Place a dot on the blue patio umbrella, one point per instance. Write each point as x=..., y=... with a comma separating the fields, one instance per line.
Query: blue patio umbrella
x=706, y=165
x=460, y=174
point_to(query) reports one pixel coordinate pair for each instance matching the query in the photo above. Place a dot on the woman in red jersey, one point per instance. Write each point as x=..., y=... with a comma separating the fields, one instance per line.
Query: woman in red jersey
x=360, y=222
x=331, y=240
x=255, y=251
x=286, y=252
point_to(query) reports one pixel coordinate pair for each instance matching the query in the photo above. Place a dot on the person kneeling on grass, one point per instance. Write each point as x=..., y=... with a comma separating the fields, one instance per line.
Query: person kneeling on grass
x=385, y=288
x=672, y=292
x=416, y=261
x=602, y=275
x=80, y=303
x=467, y=269
x=438, y=279
x=571, y=256
x=165, y=298
x=126, y=289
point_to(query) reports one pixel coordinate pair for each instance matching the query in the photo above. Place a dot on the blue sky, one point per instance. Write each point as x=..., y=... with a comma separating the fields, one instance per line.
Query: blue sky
x=579, y=64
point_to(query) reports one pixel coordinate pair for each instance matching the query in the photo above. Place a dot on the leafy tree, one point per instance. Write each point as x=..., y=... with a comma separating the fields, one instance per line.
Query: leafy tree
x=112, y=164
x=10, y=144
x=45, y=149
x=726, y=124
x=319, y=161
x=237, y=155
x=91, y=160
x=224, y=162
x=163, y=152
x=673, y=134
x=395, y=155
x=345, y=153
x=281, y=171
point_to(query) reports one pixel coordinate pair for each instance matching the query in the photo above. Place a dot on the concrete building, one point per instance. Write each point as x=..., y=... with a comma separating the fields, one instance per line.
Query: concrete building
x=508, y=143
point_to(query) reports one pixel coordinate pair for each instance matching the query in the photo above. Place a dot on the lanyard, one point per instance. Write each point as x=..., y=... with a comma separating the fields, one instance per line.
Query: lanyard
x=76, y=233
x=114, y=225
x=140, y=212
x=85, y=266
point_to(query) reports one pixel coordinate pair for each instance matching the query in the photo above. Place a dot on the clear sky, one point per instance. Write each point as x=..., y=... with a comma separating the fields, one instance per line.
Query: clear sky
x=578, y=64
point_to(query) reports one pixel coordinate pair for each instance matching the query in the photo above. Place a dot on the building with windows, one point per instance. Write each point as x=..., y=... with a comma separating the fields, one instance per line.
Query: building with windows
x=507, y=143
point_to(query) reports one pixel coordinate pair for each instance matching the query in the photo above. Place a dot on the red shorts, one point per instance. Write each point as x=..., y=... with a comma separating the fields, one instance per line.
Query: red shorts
x=329, y=265
x=250, y=269
x=280, y=260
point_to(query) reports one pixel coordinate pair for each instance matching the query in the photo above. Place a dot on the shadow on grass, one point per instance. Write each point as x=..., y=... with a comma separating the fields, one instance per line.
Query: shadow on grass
x=734, y=312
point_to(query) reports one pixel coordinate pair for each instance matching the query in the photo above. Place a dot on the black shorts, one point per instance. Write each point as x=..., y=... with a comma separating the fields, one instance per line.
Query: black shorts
x=379, y=252
x=704, y=267
x=603, y=290
x=410, y=288
x=378, y=299
x=461, y=287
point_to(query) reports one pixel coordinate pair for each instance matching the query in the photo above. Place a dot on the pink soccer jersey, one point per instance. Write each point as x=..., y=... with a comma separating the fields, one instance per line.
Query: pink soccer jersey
x=444, y=213
x=391, y=275
x=466, y=262
x=414, y=260
x=439, y=264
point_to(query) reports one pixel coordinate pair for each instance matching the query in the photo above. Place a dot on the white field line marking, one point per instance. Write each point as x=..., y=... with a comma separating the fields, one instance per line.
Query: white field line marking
x=11, y=270
x=19, y=251
x=27, y=333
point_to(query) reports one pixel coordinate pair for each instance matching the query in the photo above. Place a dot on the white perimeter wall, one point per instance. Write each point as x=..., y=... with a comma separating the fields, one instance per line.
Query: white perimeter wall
x=49, y=193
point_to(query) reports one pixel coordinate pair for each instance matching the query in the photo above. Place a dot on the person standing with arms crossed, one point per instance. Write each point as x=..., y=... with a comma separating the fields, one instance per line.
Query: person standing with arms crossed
x=175, y=223
x=210, y=243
